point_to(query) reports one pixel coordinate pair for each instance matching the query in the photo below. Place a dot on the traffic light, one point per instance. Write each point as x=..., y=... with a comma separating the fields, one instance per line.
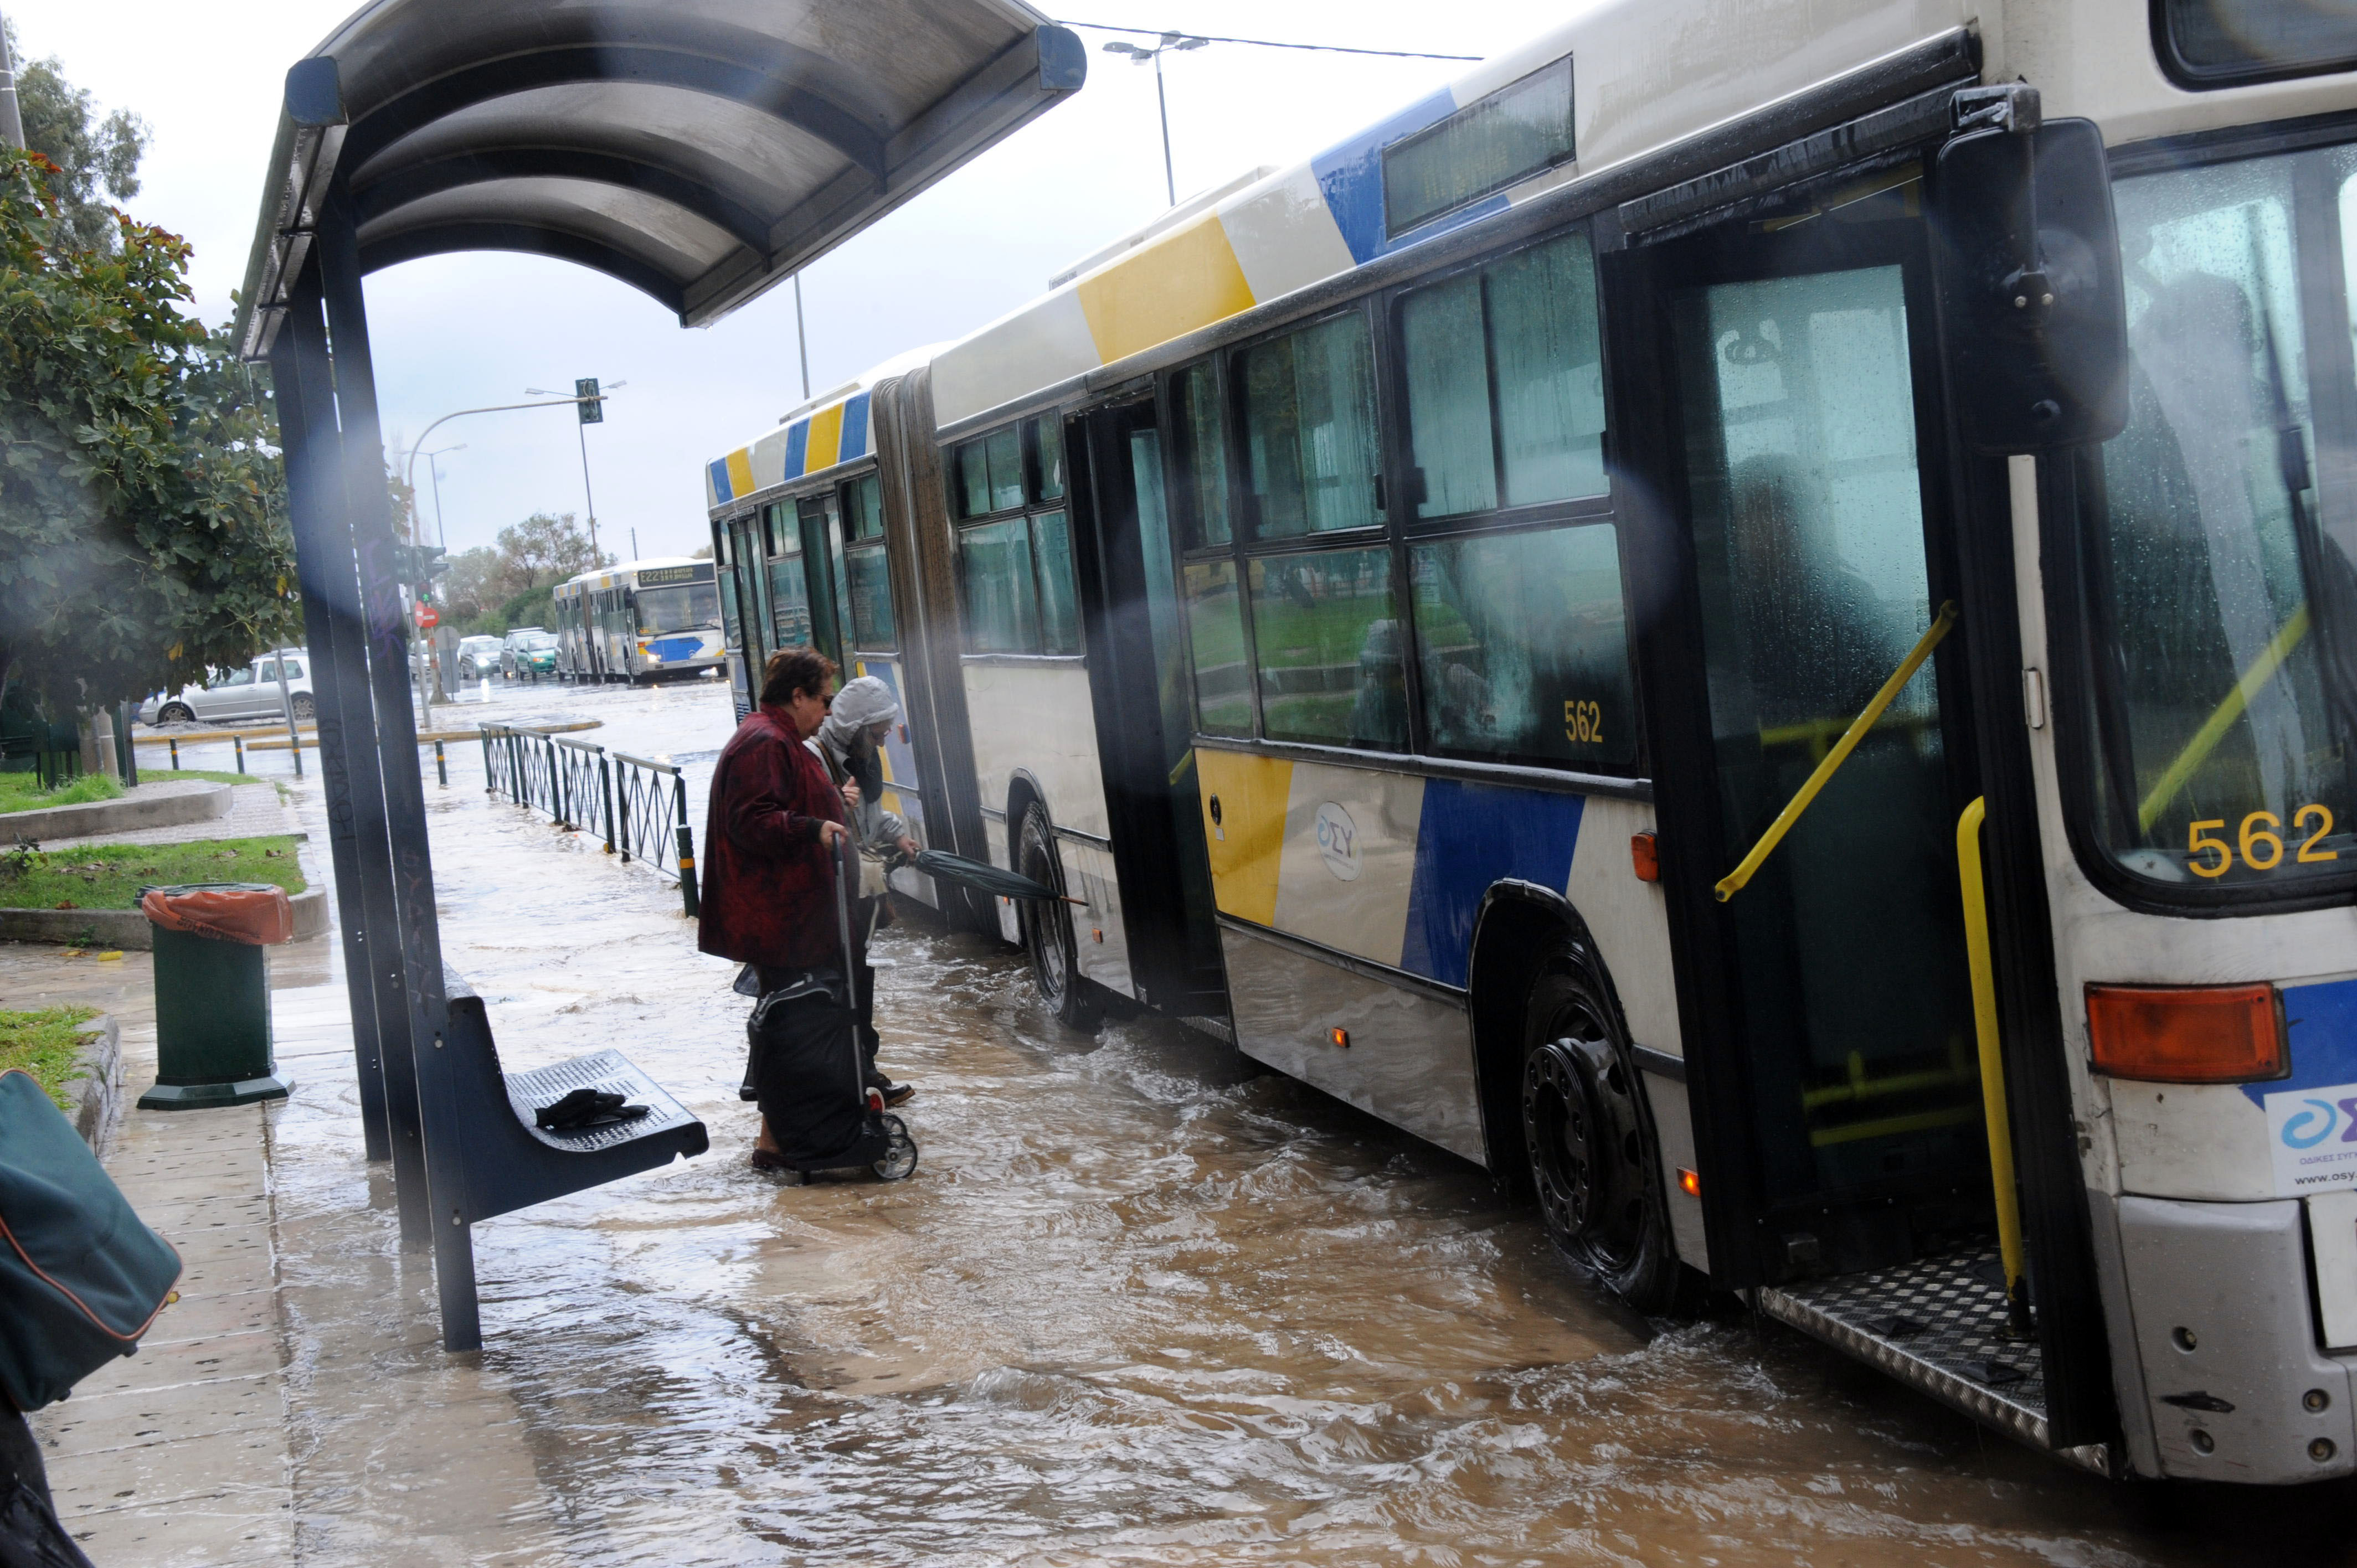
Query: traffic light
x=591, y=407
x=419, y=564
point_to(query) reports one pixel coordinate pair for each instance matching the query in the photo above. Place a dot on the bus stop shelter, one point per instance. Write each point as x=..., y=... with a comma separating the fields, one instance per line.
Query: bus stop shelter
x=701, y=153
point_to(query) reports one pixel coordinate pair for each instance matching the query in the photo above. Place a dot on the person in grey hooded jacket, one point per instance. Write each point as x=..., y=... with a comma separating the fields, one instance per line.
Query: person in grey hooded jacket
x=850, y=742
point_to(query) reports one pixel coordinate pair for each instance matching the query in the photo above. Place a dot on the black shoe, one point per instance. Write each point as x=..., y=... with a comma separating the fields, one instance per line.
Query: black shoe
x=893, y=1093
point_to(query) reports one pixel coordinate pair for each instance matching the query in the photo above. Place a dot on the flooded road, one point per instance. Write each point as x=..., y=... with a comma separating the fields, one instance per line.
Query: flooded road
x=1142, y=1302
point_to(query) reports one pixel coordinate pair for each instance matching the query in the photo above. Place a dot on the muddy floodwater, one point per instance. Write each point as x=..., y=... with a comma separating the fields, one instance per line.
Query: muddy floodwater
x=1143, y=1302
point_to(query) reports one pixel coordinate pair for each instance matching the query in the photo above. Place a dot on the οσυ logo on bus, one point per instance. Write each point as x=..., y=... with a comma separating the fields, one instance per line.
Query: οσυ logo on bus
x=1338, y=842
x=2310, y=1128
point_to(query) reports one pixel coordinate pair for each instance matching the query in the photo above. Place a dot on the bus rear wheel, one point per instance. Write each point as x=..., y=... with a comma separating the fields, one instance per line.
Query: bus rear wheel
x=1048, y=929
x=1589, y=1140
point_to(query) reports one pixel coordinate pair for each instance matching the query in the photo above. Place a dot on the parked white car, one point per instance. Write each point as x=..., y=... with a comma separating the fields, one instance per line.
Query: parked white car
x=248, y=693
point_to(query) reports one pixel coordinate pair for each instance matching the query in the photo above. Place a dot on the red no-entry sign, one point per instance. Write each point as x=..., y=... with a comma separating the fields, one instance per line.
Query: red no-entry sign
x=428, y=618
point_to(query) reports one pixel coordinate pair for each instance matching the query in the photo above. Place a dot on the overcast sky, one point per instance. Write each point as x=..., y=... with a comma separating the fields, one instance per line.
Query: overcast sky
x=456, y=332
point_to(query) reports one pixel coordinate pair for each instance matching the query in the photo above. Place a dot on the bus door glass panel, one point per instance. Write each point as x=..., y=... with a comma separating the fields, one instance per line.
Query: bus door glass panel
x=1808, y=525
x=822, y=551
x=2222, y=604
x=785, y=600
x=1168, y=634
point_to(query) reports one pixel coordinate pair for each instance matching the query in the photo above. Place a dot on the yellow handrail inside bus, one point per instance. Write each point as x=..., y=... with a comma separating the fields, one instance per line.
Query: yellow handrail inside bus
x=2213, y=729
x=1732, y=883
x=2000, y=1124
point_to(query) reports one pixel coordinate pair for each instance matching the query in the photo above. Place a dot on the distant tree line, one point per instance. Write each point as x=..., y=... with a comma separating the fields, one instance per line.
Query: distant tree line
x=493, y=588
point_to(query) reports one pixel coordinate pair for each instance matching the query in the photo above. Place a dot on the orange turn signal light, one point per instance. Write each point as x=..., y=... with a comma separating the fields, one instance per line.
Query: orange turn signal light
x=1646, y=857
x=2187, y=1034
x=1339, y=1035
x=1689, y=1183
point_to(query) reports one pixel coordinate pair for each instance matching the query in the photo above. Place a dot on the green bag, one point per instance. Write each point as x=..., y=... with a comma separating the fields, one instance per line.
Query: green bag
x=80, y=1276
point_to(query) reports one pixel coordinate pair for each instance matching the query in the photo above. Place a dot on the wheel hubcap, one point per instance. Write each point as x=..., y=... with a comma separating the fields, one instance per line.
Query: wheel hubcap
x=1559, y=1125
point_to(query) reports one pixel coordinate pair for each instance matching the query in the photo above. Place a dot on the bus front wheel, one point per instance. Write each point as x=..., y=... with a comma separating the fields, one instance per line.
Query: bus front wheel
x=1588, y=1140
x=1048, y=929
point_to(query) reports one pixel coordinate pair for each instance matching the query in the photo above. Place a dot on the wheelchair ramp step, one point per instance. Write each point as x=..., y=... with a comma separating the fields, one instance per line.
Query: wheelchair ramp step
x=608, y=1070
x=1937, y=1324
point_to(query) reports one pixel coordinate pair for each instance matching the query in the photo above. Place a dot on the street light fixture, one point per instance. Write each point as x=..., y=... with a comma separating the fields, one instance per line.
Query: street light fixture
x=1139, y=55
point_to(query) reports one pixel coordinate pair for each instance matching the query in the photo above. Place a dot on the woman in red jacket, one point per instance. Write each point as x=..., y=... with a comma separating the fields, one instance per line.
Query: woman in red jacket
x=776, y=822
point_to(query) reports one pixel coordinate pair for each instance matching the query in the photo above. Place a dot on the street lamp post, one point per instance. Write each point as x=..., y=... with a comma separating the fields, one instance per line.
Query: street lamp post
x=433, y=472
x=1141, y=56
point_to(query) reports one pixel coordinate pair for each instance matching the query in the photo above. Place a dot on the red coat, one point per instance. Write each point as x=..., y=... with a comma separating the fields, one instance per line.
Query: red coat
x=767, y=897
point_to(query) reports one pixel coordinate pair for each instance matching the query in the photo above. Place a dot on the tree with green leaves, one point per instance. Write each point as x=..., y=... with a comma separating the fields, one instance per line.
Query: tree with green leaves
x=143, y=539
x=89, y=152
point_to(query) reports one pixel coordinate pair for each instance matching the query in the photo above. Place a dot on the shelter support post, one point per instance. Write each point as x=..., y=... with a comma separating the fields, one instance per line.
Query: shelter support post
x=355, y=799
x=418, y=929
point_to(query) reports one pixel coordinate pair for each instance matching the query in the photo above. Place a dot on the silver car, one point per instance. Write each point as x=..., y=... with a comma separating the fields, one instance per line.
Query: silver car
x=251, y=693
x=478, y=657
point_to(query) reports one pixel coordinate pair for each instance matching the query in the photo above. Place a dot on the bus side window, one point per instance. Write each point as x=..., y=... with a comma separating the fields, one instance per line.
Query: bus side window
x=1309, y=430
x=1327, y=634
x=1002, y=603
x=1524, y=645
x=1202, y=455
x=1215, y=636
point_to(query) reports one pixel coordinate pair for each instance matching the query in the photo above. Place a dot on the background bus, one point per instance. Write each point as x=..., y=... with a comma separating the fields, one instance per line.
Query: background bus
x=657, y=619
x=1394, y=593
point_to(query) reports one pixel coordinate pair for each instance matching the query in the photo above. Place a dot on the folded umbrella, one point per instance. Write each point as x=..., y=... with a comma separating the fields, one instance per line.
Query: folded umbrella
x=984, y=878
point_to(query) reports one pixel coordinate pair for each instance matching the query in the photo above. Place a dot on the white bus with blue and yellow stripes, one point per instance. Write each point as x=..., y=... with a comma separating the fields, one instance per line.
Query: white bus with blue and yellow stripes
x=1744, y=617
x=641, y=621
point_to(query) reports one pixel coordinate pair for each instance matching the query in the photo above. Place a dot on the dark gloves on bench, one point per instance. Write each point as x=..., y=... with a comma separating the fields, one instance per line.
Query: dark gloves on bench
x=585, y=1109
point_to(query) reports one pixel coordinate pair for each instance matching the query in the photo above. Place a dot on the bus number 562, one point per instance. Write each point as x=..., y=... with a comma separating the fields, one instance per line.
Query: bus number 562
x=1583, y=722
x=2209, y=855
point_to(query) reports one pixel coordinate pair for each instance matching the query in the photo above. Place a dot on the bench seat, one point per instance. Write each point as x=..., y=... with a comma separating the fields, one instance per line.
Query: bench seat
x=511, y=1162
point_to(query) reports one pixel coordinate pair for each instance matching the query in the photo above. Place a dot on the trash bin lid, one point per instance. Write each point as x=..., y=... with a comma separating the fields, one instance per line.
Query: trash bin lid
x=255, y=913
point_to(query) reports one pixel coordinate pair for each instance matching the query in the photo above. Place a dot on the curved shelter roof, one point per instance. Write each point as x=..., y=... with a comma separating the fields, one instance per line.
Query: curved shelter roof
x=699, y=150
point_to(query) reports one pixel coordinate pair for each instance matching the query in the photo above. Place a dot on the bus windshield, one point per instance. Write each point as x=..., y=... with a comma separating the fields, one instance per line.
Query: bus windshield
x=2219, y=599
x=690, y=606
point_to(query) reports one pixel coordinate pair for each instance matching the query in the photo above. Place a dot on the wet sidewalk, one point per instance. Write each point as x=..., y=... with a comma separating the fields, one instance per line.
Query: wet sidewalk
x=1141, y=1303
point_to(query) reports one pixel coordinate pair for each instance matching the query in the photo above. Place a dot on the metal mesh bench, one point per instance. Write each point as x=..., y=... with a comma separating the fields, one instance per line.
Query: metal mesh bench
x=510, y=1163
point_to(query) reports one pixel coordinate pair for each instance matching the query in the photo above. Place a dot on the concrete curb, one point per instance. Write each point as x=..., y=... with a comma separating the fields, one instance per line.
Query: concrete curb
x=128, y=928
x=202, y=804
x=98, y=1092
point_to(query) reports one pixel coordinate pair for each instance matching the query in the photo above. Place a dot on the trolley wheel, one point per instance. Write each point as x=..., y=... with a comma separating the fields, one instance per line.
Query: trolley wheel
x=899, y=1160
x=306, y=707
x=1048, y=929
x=1589, y=1140
x=175, y=714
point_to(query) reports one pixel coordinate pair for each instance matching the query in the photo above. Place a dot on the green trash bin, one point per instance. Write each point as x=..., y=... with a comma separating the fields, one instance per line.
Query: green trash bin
x=213, y=994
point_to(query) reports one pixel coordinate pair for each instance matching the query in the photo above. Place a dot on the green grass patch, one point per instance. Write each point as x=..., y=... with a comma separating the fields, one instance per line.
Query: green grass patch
x=110, y=875
x=45, y=1045
x=23, y=792
x=200, y=775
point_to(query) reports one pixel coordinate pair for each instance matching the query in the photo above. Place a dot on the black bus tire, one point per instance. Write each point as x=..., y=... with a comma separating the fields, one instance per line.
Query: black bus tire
x=1588, y=1137
x=1048, y=929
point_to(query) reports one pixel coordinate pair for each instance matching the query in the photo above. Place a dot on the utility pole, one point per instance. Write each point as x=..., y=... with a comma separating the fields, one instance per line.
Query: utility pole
x=12, y=121
x=802, y=339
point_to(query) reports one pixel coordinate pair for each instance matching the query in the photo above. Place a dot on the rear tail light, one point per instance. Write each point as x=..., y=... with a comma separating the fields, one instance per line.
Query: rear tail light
x=2187, y=1034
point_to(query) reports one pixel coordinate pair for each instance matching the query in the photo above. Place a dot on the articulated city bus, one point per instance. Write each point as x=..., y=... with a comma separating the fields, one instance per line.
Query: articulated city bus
x=657, y=619
x=804, y=562
x=1745, y=617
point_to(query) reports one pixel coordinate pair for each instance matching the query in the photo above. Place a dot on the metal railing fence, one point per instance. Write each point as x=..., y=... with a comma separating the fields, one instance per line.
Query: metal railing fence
x=650, y=804
x=637, y=805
